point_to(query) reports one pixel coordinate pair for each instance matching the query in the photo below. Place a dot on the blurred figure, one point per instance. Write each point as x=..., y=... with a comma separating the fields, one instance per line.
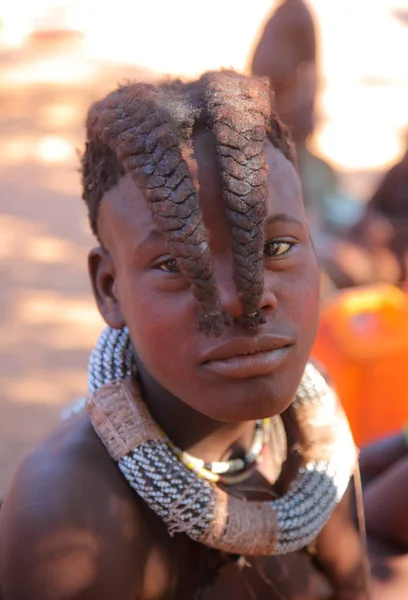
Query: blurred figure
x=384, y=470
x=387, y=212
x=286, y=54
x=376, y=248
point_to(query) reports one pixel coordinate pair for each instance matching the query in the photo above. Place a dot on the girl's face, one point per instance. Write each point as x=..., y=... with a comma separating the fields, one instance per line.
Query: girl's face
x=243, y=375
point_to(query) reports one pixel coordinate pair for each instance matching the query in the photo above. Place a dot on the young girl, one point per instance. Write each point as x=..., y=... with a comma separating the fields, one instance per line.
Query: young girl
x=213, y=461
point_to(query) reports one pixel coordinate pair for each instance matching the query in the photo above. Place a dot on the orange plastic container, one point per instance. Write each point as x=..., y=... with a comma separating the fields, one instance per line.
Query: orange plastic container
x=363, y=345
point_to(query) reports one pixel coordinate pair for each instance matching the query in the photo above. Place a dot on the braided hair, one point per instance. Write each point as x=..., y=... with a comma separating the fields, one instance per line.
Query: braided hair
x=142, y=129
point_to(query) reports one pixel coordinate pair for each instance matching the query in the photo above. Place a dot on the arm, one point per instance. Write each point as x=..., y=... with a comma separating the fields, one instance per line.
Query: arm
x=340, y=554
x=386, y=506
x=380, y=456
x=67, y=530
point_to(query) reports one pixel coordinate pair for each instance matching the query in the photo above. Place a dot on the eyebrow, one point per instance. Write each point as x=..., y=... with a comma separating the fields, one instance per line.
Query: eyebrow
x=152, y=237
x=155, y=236
x=282, y=218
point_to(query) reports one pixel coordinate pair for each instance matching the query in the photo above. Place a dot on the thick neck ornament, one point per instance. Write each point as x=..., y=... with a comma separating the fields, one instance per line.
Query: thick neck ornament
x=200, y=508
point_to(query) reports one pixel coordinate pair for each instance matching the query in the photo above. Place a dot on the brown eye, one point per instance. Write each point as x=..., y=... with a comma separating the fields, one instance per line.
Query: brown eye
x=277, y=248
x=169, y=266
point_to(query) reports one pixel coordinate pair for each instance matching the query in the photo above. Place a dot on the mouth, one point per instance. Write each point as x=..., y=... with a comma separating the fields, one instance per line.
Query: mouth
x=243, y=358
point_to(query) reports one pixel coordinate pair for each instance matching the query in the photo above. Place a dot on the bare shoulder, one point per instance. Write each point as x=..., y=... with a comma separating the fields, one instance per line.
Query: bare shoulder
x=70, y=527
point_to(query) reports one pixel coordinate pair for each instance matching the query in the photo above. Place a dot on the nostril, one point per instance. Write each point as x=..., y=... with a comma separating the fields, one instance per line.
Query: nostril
x=268, y=303
x=253, y=321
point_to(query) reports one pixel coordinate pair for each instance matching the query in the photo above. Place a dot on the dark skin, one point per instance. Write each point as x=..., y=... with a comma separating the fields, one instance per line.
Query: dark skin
x=286, y=54
x=384, y=468
x=71, y=524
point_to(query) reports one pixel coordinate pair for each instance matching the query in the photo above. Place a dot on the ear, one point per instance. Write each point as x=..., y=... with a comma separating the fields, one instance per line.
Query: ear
x=103, y=274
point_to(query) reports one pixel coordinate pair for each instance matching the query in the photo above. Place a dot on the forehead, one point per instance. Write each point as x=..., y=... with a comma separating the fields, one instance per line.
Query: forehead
x=124, y=211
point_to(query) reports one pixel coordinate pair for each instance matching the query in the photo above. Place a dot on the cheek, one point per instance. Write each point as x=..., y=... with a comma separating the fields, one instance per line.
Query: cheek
x=310, y=304
x=161, y=327
x=308, y=309
x=302, y=302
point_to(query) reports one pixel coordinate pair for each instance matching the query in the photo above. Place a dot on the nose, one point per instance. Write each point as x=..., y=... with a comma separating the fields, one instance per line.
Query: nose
x=232, y=300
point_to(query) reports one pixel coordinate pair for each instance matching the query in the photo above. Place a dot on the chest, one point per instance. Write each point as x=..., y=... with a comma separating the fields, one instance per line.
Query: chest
x=180, y=569
x=190, y=572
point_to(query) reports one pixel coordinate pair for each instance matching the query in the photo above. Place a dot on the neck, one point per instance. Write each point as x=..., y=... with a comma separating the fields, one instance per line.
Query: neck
x=190, y=430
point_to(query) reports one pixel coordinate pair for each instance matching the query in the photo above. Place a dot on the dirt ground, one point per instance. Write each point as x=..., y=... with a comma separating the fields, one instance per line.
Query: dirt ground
x=48, y=322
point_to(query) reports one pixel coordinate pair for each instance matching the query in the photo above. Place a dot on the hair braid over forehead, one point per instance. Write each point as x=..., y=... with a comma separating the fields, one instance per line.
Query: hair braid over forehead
x=239, y=110
x=142, y=129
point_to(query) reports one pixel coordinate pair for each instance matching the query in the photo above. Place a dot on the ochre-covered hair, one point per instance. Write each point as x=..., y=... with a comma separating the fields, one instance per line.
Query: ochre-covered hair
x=142, y=129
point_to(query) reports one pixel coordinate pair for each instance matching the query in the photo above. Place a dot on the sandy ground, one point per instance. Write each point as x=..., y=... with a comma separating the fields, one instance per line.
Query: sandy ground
x=47, y=319
x=48, y=322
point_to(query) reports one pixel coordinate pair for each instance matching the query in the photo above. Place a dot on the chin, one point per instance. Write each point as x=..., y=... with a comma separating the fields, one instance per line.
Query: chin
x=250, y=400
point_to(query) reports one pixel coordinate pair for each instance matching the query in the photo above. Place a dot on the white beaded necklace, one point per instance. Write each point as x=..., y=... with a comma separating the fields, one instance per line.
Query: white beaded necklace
x=199, y=508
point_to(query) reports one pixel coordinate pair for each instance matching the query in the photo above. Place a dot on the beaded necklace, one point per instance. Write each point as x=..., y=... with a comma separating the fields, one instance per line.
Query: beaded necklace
x=229, y=472
x=200, y=508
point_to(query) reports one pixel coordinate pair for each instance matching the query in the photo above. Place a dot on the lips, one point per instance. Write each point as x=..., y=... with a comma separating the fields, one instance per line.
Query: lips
x=243, y=357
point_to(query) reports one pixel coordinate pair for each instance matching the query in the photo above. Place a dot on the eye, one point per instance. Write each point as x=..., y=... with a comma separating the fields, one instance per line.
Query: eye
x=277, y=248
x=169, y=266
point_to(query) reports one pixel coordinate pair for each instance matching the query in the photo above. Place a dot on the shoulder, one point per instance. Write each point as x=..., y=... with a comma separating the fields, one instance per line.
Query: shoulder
x=70, y=526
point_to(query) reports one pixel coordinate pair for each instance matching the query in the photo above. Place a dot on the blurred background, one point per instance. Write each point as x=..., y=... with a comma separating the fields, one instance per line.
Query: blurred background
x=57, y=57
